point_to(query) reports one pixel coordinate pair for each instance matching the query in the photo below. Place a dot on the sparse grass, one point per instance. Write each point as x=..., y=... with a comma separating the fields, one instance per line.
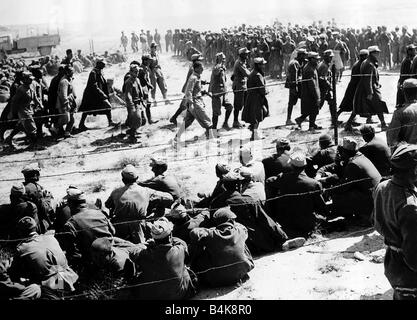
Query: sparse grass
x=125, y=160
x=329, y=268
x=96, y=186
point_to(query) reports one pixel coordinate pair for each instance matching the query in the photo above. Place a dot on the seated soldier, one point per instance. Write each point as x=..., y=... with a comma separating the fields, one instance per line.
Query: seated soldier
x=18, y=208
x=278, y=163
x=222, y=246
x=352, y=197
x=84, y=226
x=63, y=211
x=10, y=290
x=129, y=203
x=115, y=256
x=251, y=188
x=162, y=266
x=39, y=259
x=221, y=169
x=326, y=155
x=264, y=234
x=39, y=196
x=161, y=181
x=246, y=159
x=376, y=150
x=184, y=223
x=298, y=214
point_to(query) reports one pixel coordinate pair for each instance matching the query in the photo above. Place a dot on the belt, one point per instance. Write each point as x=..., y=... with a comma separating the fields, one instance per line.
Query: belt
x=396, y=249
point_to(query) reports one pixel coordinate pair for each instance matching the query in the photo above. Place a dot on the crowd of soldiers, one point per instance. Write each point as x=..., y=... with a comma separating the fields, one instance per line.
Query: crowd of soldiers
x=166, y=245
x=33, y=104
x=276, y=43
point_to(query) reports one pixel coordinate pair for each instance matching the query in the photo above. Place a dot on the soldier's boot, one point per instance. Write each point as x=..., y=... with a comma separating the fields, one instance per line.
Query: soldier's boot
x=148, y=115
x=82, y=126
x=225, y=125
x=210, y=134
x=236, y=123
x=289, y=122
x=383, y=123
x=143, y=118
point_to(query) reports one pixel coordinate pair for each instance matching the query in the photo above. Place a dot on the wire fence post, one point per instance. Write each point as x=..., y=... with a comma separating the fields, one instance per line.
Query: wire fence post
x=333, y=106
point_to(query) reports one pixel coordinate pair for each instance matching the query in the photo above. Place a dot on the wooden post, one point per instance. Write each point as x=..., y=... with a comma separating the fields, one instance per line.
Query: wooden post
x=334, y=106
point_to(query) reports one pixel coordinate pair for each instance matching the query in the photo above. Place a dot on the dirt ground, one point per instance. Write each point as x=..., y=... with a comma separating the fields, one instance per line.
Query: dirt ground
x=329, y=269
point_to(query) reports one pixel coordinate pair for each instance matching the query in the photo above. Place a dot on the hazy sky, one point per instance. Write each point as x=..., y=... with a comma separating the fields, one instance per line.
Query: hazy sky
x=201, y=13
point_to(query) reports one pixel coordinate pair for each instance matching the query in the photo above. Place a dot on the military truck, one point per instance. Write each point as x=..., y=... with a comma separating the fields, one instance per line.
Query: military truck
x=43, y=44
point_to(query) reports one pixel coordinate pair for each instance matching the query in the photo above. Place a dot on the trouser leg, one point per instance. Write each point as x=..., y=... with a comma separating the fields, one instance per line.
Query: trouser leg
x=312, y=120
x=289, y=111
x=71, y=122
x=214, y=121
x=227, y=115
x=82, y=121
x=153, y=82
x=108, y=115
x=381, y=118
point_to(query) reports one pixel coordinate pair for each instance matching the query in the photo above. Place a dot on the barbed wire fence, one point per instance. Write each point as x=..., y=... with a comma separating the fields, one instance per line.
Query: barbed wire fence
x=179, y=160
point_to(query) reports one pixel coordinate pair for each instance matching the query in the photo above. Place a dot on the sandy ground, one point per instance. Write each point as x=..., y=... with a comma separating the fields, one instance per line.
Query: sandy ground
x=326, y=270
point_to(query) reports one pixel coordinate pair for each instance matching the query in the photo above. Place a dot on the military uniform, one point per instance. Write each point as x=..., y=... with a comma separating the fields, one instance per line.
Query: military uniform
x=156, y=76
x=85, y=226
x=41, y=260
x=164, y=183
x=369, y=85
x=351, y=192
x=274, y=165
x=129, y=203
x=256, y=104
x=218, y=88
x=325, y=84
x=164, y=274
x=217, y=247
x=310, y=95
x=379, y=153
x=297, y=215
x=394, y=218
x=347, y=102
x=43, y=200
x=240, y=76
x=264, y=234
x=134, y=98
x=294, y=73
x=196, y=108
x=22, y=105
x=402, y=126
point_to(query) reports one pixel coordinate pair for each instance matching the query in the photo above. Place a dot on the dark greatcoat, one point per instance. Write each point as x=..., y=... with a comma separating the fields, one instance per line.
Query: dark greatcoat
x=406, y=68
x=264, y=234
x=347, y=103
x=220, y=246
x=95, y=93
x=369, y=84
x=297, y=214
x=164, y=275
x=310, y=91
x=255, y=109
